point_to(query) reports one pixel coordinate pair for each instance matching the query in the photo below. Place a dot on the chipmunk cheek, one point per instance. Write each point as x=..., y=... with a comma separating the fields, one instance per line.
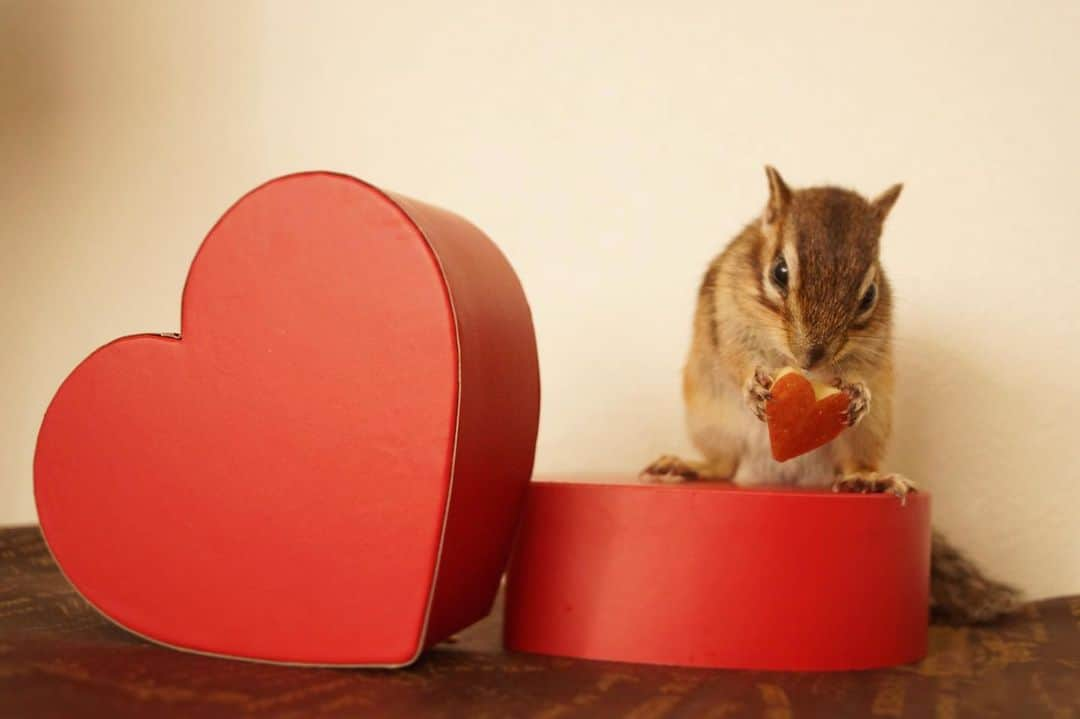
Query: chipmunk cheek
x=842, y=350
x=789, y=349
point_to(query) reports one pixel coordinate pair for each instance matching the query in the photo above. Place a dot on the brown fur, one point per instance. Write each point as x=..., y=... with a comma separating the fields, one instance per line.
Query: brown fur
x=960, y=593
x=746, y=327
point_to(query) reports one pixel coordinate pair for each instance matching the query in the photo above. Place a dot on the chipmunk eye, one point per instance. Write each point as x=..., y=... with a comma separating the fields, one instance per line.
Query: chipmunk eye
x=868, y=298
x=779, y=273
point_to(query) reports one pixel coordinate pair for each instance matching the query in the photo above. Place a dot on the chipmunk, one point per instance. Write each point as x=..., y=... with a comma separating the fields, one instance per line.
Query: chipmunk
x=803, y=286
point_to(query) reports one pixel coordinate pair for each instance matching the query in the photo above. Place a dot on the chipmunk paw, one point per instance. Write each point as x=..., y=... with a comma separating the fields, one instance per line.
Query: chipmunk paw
x=875, y=483
x=859, y=404
x=758, y=391
x=669, y=469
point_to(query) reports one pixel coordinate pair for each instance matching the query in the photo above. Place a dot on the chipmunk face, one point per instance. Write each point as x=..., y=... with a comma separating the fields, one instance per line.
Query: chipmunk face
x=820, y=277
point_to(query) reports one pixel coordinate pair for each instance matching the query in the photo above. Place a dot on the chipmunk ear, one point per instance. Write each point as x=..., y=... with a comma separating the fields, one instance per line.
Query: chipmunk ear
x=779, y=195
x=884, y=202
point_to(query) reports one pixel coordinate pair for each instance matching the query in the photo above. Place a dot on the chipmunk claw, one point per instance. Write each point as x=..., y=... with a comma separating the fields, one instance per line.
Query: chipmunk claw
x=668, y=469
x=875, y=483
x=758, y=391
x=859, y=404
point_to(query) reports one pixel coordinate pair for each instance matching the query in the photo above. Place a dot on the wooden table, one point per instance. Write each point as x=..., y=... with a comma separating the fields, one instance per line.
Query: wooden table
x=58, y=658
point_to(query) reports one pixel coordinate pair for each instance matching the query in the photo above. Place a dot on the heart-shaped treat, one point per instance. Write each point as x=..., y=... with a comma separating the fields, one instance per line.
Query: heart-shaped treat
x=803, y=415
x=328, y=464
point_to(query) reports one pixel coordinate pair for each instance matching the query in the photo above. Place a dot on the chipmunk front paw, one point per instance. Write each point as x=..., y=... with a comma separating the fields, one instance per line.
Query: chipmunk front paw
x=866, y=482
x=669, y=468
x=758, y=391
x=859, y=404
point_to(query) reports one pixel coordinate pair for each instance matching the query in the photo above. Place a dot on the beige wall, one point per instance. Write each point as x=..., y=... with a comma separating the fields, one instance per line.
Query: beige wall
x=611, y=148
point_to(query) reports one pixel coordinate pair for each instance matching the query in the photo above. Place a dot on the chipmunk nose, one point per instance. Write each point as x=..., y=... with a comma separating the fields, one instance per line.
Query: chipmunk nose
x=814, y=354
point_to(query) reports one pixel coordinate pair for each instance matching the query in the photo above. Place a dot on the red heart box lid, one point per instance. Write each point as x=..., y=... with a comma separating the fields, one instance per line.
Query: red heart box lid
x=328, y=465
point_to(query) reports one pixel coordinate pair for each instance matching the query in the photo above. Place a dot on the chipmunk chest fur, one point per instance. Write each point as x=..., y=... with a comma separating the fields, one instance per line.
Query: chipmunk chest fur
x=734, y=442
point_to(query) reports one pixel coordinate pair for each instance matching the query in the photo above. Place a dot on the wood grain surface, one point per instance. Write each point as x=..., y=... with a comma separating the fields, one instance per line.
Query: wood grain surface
x=59, y=658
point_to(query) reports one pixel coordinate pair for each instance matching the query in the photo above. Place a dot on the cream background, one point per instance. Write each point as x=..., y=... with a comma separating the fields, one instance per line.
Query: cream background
x=611, y=149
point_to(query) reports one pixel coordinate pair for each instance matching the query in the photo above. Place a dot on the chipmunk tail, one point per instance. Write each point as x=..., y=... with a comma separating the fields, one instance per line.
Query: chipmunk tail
x=960, y=593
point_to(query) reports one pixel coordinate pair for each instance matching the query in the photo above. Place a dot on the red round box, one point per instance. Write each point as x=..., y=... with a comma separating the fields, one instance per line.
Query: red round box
x=709, y=575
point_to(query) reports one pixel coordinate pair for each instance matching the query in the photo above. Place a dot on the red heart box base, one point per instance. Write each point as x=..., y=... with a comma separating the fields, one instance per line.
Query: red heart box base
x=707, y=575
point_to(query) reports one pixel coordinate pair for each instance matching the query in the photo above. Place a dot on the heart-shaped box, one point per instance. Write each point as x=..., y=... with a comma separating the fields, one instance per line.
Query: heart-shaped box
x=328, y=464
x=706, y=574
